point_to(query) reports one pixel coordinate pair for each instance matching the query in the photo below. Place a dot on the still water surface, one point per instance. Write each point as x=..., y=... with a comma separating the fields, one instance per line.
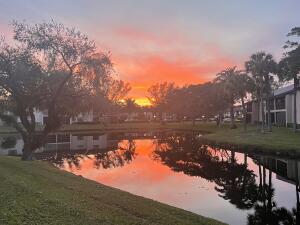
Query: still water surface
x=179, y=170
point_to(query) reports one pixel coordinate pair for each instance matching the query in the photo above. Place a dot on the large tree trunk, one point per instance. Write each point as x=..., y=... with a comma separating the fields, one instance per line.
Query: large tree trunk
x=27, y=152
x=295, y=104
x=32, y=141
x=244, y=114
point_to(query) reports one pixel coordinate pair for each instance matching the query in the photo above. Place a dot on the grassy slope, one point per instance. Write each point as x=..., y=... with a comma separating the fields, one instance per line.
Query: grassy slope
x=37, y=193
x=279, y=140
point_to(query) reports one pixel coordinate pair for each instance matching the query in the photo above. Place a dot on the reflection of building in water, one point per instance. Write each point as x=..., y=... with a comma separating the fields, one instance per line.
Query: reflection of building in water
x=286, y=169
x=63, y=142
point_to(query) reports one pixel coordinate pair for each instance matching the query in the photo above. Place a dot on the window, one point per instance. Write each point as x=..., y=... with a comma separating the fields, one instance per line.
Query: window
x=280, y=103
x=51, y=138
x=271, y=104
x=45, y=119
x=95, y=137
x=63, y=138
x=80, y=137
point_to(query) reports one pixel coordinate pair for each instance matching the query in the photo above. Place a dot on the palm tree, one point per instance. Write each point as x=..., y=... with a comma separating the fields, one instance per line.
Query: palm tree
x=262, y=68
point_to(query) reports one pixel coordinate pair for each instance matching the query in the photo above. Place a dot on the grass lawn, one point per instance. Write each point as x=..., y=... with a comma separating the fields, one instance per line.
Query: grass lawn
x=37, y=193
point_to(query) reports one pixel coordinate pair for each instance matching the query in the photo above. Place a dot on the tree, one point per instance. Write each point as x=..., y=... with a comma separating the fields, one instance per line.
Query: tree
x=226, y=79
x=109, y=100
x=289, y=68
x=117, y=90
x=176, y=102
x=243, y=86
x=262, y=68
x=130, y=106
x=196, y=100
x=52, y=68
x=157, y=95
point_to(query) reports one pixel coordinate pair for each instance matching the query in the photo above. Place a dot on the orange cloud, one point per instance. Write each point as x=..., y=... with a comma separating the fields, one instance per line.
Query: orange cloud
x=143, y=71
x=143, y=58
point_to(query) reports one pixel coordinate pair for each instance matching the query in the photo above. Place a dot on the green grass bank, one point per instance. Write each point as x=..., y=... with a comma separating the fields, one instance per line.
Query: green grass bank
x=37, y=193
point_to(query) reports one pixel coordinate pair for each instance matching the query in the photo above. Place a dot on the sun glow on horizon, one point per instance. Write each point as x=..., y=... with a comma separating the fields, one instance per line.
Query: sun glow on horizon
x=143, y=101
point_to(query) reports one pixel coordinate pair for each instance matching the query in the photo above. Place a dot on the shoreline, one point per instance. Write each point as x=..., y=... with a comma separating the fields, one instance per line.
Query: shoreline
x=282, y=141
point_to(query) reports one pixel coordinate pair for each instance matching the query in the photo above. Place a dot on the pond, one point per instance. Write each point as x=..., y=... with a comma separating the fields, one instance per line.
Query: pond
x=180, y=170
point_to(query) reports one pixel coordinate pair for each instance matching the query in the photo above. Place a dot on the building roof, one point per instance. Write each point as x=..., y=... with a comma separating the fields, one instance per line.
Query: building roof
x=284, y=90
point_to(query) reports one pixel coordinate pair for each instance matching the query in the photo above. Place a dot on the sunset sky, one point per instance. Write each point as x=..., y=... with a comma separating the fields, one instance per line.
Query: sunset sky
x=167, y=40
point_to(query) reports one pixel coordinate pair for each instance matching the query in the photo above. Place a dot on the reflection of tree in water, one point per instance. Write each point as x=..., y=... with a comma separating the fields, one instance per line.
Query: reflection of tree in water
x=104, y=159
x=266, y=210
x=60, y=159
x=118, y=158
x=186, y=153
x=234, y=181
x=237, y=184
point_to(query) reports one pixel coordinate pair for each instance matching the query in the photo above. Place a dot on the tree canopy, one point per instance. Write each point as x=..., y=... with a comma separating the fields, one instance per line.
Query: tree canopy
x=52, y=68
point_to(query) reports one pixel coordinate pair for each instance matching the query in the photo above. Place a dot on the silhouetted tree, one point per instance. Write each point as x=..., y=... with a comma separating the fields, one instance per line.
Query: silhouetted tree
x=226, y=79
x=197, y=100
x=157, y=95
x=52, y=68
x=130, y=106
x=243, y=86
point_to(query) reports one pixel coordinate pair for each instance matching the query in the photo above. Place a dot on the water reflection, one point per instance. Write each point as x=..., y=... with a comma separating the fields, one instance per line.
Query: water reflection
x=247, y=187
x=124, y=153
x=234, y=181
x=266, y=210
